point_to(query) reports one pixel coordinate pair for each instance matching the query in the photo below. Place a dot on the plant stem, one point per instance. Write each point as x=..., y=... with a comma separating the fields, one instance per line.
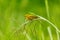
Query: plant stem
x=47, y=8
x=42, y=18
x=27, y=36
x=35, y=31
x=50, y=34
x=19, y=28
x=43, y=36
x=58, y=38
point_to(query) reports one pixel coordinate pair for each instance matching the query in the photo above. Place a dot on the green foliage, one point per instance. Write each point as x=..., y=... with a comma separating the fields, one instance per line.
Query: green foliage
x=12, y=14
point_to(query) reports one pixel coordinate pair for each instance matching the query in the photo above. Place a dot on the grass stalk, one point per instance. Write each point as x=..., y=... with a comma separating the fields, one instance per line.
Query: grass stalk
x=35, y=31
x=42, y=18
x=19, y=28
x=27, y=36
x=58, y=38
x=43, y=36
x=47, y=8
x=50, y=34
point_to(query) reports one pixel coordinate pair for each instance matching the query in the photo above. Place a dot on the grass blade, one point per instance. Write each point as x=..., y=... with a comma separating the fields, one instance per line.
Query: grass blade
x=50, y=34
x=47, y=8
x=58, y=38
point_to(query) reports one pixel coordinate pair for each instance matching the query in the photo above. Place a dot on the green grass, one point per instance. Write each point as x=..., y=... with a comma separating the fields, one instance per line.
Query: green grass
x=12, y=20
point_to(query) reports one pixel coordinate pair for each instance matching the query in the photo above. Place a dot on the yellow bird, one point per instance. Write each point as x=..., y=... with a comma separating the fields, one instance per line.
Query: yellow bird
x=30, y=17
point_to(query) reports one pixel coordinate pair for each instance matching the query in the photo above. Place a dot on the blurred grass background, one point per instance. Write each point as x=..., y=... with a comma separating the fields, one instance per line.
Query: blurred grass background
x=12, y=16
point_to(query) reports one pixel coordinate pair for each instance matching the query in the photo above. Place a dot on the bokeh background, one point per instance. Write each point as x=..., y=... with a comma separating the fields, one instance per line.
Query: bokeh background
x=12, y=14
